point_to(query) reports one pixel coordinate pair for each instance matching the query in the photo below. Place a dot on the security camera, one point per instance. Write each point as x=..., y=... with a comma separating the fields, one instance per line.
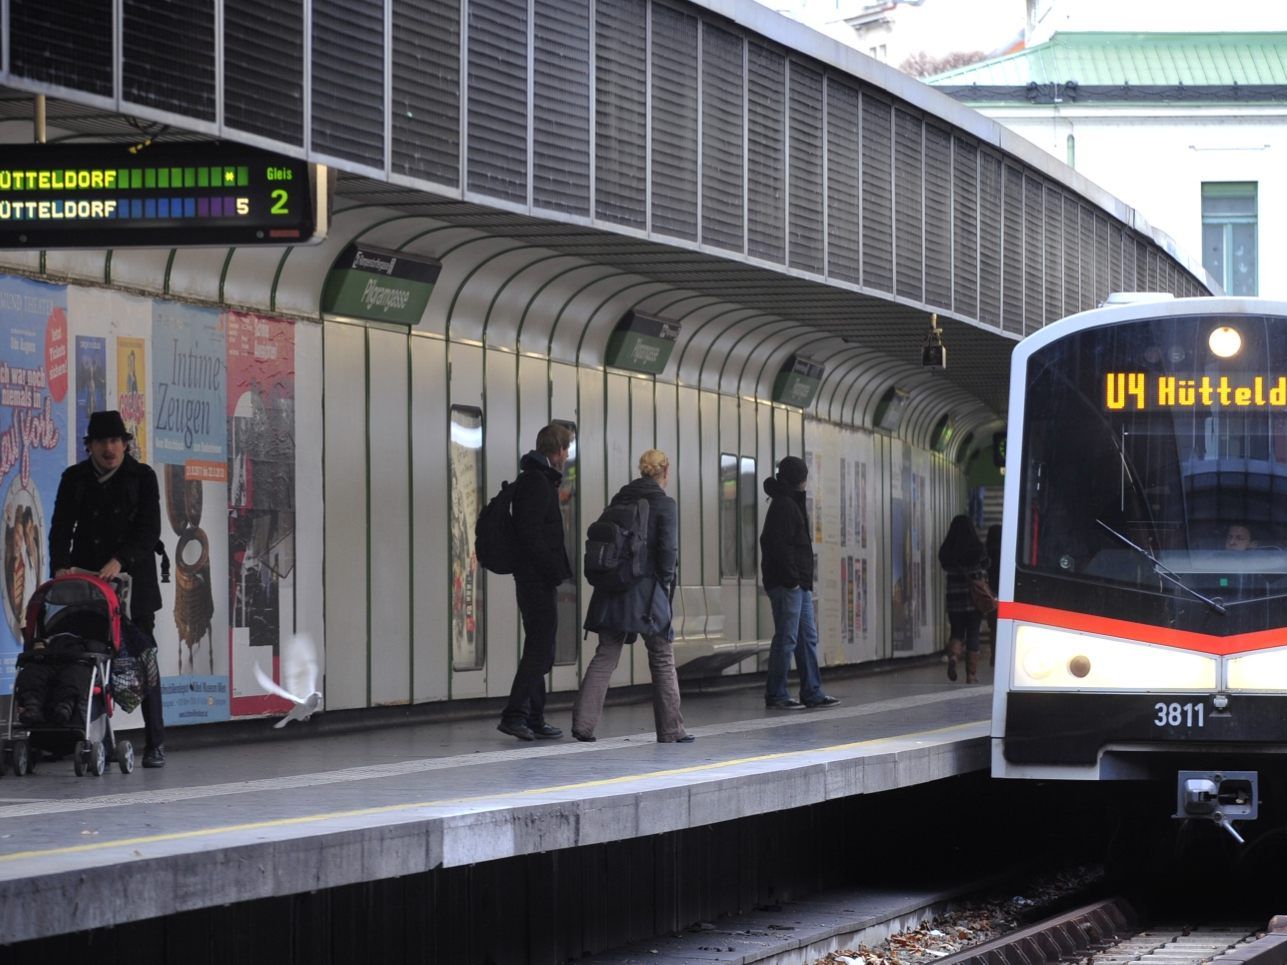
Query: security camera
x=934, y=352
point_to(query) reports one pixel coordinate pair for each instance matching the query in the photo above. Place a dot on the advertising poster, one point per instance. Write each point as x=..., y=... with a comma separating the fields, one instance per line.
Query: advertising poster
x=34, y=361
x=260, y=409
x=131, y=398
x=900, y=550
x=465, y=463
x=91, y=381
x=189, y=454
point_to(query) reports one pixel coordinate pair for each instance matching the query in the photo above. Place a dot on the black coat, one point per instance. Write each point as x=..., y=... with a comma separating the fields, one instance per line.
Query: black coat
x=538, y=524
x=118, y=519
x=786, y=541
x=644, y=608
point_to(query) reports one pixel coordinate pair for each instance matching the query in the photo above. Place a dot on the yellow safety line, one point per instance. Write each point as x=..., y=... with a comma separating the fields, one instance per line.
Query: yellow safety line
x=387, y=808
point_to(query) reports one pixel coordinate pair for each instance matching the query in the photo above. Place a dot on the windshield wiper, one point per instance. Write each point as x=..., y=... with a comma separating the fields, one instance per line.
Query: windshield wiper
x=1162, y=570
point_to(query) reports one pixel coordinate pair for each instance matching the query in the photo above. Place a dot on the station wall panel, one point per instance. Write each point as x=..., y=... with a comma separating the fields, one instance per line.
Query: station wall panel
x=431, y=568
x=502, y=450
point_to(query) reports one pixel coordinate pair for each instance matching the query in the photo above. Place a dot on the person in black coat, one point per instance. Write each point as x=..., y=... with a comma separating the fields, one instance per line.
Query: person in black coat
x=642, y=610
x=964, y=560
x=786, y=564
x=107, y=519
x=542, y=566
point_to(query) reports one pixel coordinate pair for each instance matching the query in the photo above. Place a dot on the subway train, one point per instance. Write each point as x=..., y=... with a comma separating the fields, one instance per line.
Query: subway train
x=1142, y=629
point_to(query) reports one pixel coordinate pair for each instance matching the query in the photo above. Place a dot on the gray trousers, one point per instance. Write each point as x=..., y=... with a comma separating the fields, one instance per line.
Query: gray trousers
x=588, y=709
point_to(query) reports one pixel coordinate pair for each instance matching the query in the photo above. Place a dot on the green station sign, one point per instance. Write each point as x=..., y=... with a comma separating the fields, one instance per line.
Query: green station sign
x=379, y=285
x=797, y=381
x=641, y=344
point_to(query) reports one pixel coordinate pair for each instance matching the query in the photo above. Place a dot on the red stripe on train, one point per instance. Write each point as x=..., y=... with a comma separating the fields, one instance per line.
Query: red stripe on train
x=1143, y=632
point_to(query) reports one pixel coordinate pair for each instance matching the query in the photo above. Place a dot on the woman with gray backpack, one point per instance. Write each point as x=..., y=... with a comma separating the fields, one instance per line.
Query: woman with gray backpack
x=631, y=552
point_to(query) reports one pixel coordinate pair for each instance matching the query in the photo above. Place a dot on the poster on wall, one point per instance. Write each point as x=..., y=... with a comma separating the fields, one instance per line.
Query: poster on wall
x=33, y=427
x=131, y=399
x=189, y=436
x=91, y=381
x=465, y=464
x=900, y=550
x=260, y=412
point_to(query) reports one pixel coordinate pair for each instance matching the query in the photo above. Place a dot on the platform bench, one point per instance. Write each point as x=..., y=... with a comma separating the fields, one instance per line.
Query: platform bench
x=701, y=649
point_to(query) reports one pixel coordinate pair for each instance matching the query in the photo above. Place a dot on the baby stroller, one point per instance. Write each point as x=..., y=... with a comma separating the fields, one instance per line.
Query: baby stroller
x=63, y=695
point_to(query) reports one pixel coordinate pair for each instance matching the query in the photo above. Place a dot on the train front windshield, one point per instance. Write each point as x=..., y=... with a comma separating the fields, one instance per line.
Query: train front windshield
x=1154, y=474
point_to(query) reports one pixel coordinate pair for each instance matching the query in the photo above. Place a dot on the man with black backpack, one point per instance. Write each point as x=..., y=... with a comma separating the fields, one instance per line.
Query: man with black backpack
x=540, y=565
x=107, y=519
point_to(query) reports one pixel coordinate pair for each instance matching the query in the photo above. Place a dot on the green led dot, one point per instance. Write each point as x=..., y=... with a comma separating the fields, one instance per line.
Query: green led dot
x=149, y=178
x=243, y=176
x=163, y=178
x=203, y=177
x=189, y=177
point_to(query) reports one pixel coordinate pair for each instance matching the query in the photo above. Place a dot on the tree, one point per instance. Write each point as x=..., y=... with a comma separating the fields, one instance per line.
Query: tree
x=926, y=65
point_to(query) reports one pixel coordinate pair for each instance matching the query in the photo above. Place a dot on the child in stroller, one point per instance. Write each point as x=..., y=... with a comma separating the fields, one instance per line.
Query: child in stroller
x=63, y=695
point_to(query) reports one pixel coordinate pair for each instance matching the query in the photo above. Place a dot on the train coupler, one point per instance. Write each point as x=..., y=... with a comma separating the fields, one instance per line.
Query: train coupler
x=1221, y=797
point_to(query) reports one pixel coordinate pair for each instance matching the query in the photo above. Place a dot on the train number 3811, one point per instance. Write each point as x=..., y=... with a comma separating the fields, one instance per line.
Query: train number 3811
x=1179, y=715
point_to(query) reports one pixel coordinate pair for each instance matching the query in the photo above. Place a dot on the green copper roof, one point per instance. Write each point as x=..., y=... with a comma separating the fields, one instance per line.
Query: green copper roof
x=1137, y=59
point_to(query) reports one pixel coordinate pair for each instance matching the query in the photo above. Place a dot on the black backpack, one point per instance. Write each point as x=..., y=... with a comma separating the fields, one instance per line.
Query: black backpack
x=495, y=543
x=616, y=547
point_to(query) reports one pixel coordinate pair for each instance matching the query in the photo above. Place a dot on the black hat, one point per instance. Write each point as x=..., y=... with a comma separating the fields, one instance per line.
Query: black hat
x=793, y=470
x=107, y=425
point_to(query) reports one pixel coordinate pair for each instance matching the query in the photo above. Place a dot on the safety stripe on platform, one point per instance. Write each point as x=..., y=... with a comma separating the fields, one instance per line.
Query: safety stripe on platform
x=491, y=798
x=404, y=768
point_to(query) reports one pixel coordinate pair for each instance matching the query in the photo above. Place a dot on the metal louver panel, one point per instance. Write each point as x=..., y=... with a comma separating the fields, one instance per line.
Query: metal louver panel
x=1033, y=250
x=168, y=56
x=766, y=152
x=1141, y=266
x=723, y=195
x=621, y=83
x=909, y=264
x=938, y=216
x=263, y=68
x=348, y=79
x=877, y=194
x=1087, y=242
x=989, y=238
x=843, y=245
x=62, y=43
x=1054, y=255
x=804, y=209
x=425, y=114
x=1151, y=265
x=1072, y=256
x=1115, y=259
x=496, y=123
x=965, y=232
x=674, y=122
x=1012, y=251
x=561, y=106
x=1128, y=264
x=1102, y=236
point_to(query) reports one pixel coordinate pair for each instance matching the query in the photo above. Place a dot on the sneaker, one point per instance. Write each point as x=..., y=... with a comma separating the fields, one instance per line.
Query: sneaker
x=823, y=701
x=548, y=731
x=584, y=738
x=786, y=703
x=154, y=757
x=516, y=728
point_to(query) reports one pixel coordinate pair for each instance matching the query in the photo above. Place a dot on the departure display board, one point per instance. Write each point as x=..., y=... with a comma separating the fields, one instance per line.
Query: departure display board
x=159, y=195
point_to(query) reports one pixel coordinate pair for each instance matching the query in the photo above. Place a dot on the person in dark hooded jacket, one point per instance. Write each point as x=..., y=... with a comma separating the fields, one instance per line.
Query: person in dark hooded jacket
x=542, y=566
x=643, y=610
x=786, y=564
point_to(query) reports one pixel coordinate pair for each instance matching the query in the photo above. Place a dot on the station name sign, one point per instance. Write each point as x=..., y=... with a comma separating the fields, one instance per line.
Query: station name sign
x=1138, y=392
x=161, y=195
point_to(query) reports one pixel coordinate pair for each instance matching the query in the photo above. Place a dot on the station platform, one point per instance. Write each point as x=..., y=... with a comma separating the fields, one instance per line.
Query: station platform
x=256, y=819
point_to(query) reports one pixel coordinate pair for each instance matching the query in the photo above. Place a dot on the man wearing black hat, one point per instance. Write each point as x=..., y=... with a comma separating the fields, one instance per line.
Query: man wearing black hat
x=107, y=519
x=786, y=563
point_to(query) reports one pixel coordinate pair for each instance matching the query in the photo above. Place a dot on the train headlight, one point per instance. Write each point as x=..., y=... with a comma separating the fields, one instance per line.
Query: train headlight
x=1263, y=670
x=1050, y=659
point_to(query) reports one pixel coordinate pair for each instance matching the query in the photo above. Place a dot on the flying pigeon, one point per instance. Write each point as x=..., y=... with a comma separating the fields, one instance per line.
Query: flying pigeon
x=300, y=673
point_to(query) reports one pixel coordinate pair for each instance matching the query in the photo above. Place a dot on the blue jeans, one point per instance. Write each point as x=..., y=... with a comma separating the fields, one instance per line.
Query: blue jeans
x=794, y=631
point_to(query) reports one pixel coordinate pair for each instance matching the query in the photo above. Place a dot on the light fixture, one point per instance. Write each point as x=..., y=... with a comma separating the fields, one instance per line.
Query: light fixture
x=934, y=352
x=1225, y=341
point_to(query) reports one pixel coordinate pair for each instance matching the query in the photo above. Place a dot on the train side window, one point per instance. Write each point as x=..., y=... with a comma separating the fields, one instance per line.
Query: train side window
x=748, y=517
x=728, y=528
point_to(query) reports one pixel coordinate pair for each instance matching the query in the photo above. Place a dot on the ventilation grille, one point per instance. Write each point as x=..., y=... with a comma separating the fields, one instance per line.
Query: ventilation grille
x=938, y=216
x=674, y=122
x=1101, y=259
x=426, y=90
x=908, y=211
x=765, y=184
x=1054, y=255
x=1034, y=273
x=561, y=106
x=1129, y=280
x=62, y=44
x=496, y=150
x=842, y=182
x=1115, y=258
x=348, y=79
x=621, y=78
x=263, y=51
x=877, y=195
x=805, y=209
x=168, y=56
x=989, y=238
x=1012, y=251
x=1087, y=280
x=722, y=140
x=965, y=221
x=1072, y=256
